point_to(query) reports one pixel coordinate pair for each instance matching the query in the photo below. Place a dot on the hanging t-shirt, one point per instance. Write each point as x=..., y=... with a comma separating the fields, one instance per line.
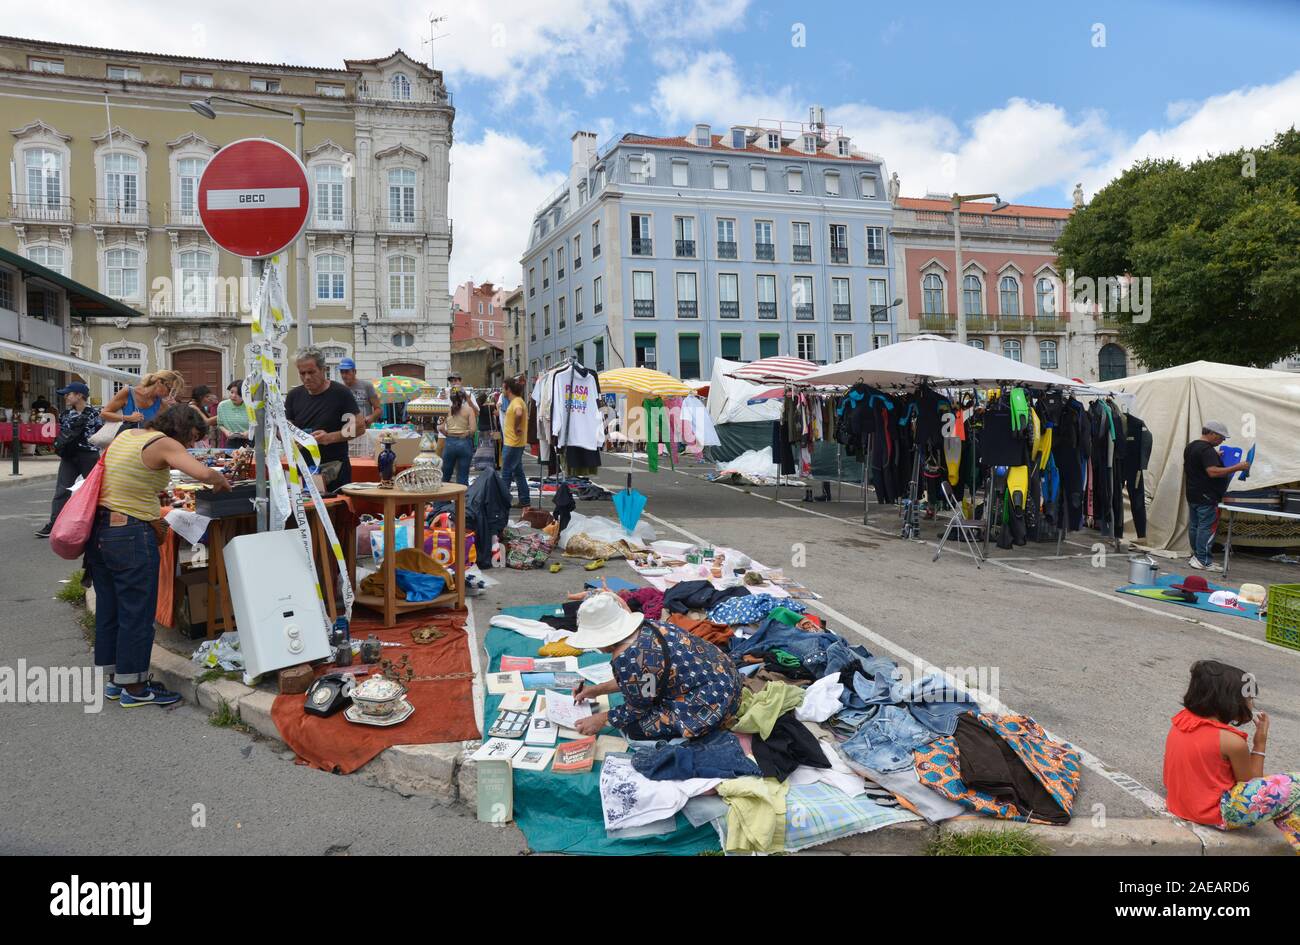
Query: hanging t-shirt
x=575, y=408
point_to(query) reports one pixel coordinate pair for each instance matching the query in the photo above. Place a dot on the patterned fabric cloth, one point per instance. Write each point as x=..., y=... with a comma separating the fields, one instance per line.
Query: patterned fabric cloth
x=817, y=813
x=1275, y=798
x=93, y=424
x=1056, y=765
x=703, y=687
x=751, y=608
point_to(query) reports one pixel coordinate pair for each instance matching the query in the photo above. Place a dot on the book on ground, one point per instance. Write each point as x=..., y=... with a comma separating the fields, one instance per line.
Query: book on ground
x=497, y=749
x=556, y=664
x=509, y=725
x=541, y=731
x=597, y=672
x=496, y=791
x=498, y=684
x=516, y=701
x=532, y=758
x=509, y=663
x=574, y=757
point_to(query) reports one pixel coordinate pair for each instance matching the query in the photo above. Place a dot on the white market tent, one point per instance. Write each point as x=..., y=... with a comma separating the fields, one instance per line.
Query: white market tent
x=729, y=397
x=938, y=362
x=1176, y=402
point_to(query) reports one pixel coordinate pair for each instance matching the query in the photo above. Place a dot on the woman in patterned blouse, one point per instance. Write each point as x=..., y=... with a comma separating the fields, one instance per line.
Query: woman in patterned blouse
x=674, y=685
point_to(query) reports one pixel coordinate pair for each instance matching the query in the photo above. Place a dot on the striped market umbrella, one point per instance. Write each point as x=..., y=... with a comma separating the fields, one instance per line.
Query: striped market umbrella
x=396, y=389
x=642, y=381
x=775, y=369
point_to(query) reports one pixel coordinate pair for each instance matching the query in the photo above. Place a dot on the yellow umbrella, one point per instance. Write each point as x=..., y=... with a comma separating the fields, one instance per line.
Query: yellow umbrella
x=644, y=381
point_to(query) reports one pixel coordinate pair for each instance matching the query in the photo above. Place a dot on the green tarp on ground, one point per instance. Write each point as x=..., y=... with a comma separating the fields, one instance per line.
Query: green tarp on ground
x=561, y=813
x=737, y=438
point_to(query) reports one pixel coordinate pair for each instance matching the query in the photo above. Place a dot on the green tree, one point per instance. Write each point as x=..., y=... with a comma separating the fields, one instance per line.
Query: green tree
x=1219, y=240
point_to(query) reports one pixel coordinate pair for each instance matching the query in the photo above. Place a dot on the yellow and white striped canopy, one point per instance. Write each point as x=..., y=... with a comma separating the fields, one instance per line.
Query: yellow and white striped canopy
x=643, y=381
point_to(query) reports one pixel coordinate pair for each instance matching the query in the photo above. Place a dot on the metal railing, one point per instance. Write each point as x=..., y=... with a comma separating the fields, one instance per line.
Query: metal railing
x=688, y=309
x=119, y=212
x=802, y=252
x=727, y=249
x=842, y=312
x=642, y=246
x=418, y=93
x=595, y=251
x=1012, y=323
x=875, y=257
x=980, y=323
x=331, y=222
x=938, y=321
x=684, y=249
x=1040, y=227
x=41, y=209
x=183, y=215
x=728, y=309
x=765, y=251
x=577, y=262
x=804, y=312
x=393, y=220
x=767, y=310
x=1109, y=322
x=598, y=308
x=1048, y=324
x=643, y=308
x=839, y=254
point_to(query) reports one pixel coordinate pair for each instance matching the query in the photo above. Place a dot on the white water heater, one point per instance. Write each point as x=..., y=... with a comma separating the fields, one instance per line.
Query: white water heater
x=277, y=611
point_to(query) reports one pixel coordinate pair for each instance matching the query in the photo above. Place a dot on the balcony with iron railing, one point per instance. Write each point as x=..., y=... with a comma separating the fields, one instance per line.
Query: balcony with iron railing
x=765, y=252
x=417, y=93
x=595, y=251
x=727, y=249
x=684, y=249
x=333, y=221
x=938, y=321
x=643, y=308
x=875, y=257
x=767, y=310
x=839, y=254
x=981, y=323
x=1109, y=322
x=842, y=312
x=880, y=313
x=975, y=223
x=642, y=246
x=399, y=220
x=728, y=309
x=1012, y=323
x=688, y=309
x=801, y=252
x=598, y=308
x=804, y=312
x=577, y=263
x=119, y=212
x=41, y=209
x=1048, y=325
x=183, y=215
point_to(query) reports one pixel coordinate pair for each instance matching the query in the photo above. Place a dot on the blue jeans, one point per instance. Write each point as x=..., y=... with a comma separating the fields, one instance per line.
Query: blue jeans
x=456, y=456
x=123, y=564
x=512, y=468
x=1200, y=530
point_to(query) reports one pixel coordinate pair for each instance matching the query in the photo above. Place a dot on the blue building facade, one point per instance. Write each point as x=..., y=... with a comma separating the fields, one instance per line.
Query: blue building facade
x=669, y=252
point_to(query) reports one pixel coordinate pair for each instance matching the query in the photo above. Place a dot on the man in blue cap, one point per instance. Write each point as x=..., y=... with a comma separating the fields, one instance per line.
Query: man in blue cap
x=78, y=422
x=368, y=406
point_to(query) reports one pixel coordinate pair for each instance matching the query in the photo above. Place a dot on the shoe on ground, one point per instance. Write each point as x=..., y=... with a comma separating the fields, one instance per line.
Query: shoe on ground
x=153, y=695
x=1199, y=565
x=45, y=531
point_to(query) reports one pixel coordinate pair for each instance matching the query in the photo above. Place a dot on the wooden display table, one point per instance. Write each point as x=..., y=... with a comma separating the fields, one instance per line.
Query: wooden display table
x=393, y=500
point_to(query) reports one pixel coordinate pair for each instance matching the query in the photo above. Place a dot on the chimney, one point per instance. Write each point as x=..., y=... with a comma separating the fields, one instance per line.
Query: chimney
x=583, y=147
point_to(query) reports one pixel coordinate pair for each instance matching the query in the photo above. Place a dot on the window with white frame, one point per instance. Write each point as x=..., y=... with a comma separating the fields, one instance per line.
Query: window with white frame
x=51, y=257
x=124, y=73
x=976, y=343
x=875, y=246
x=562, y=304
x=595, y=239
x=1047, y=355
x=546, y=272
x=44, y=177
x=801, y=296
x=400, y=87
x=122, y=182
x=879, y=341
x=401, y=283
x=806, y=346
x=832, y=184
x=582, y=192
x=122, y=273
x=125, y=357
x=331, y=278
x=1045, y=298
x=328, y=90
x=403, y=339
x=546, y=319
x=264, y=85
x=794, y=180
x=683, y=236
x=577, y=251
x=196, y=281
x=809, y=144
x=758, y=178
x=681, y=174
x=972, y=295
x=1011, y=349
x=728, y=295
x=773, y=141
x=843, y=347
x=842, y=310
x=868, y=186
x=687, y=298
x=198, y=80
x=577, y=305
x=333, y=355
x=801, y=235
x=932, y=294
x=401, y=195
x=597, y=296
x=188, y=172
x=559, y=262
x=54, y=66
x=1009, y=296
x=765, y=293
x=638, y=169
x=721, y=177
x=329, y=194
x=643, y=294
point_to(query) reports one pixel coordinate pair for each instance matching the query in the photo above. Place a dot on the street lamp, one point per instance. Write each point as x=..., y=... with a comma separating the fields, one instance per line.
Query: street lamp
x=204, y=107
x=957, y=201
x=884, y=308
x=365, y=324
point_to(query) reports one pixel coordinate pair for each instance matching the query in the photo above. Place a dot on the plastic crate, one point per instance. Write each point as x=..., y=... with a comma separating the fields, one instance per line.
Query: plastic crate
x=1284, y=615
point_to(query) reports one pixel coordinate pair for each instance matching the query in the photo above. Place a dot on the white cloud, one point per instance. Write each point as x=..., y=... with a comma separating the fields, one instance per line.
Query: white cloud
x=496, y=184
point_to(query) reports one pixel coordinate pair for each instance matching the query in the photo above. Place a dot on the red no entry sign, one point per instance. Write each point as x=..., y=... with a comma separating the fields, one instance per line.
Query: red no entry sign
x=253, y=197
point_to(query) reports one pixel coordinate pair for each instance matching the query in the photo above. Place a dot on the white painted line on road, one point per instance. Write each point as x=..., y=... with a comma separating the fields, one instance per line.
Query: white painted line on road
x=474, y=663
x=1124, y=782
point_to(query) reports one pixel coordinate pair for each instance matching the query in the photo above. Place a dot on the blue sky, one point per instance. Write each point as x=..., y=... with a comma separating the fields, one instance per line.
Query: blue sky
x=1017, y=97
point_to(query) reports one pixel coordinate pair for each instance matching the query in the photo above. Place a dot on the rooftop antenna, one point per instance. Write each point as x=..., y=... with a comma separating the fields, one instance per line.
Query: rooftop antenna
x=433, y=24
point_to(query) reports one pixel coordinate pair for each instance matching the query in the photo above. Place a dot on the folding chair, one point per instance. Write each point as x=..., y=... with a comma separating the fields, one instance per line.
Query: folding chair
x=968, y=530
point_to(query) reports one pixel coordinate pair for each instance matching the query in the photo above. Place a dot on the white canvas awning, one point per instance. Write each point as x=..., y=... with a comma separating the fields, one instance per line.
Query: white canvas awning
x=63, y=362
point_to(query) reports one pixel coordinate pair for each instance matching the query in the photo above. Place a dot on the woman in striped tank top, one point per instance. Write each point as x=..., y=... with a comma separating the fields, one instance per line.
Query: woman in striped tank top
x=122, y=554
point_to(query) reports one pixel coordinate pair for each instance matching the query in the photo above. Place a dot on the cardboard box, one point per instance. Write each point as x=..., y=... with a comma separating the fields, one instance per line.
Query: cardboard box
x=190, y=603
x=406, y=448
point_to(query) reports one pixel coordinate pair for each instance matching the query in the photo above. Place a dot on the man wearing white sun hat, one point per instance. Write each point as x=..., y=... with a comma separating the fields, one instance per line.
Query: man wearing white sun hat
x=674, y=685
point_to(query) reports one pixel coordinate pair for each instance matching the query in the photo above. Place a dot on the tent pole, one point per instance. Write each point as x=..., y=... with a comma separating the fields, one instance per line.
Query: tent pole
x=865, y=466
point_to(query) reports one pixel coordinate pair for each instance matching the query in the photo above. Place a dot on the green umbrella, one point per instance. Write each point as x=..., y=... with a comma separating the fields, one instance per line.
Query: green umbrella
x=396, y=389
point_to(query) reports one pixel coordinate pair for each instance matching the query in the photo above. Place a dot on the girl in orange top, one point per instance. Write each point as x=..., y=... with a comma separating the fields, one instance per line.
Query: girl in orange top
x=1211, y=776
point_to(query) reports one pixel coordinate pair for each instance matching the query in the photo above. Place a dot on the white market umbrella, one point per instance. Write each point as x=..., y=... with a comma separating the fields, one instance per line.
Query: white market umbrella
x=939, y=362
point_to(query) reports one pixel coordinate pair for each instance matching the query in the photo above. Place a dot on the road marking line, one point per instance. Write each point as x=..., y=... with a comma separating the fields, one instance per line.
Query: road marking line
x=1124, y=782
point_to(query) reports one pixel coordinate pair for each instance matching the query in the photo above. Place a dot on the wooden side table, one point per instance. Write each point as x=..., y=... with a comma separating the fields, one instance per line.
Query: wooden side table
x=393, y=499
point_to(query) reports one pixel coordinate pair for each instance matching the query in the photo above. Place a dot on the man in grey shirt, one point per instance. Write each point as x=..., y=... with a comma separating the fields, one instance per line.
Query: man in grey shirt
x=368, y=406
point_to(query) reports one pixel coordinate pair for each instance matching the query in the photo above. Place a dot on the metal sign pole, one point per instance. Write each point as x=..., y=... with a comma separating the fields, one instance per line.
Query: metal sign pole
x=261, y=503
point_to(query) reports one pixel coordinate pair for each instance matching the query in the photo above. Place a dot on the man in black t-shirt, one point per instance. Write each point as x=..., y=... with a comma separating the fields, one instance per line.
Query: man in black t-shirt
x=1207, y=482
x=328, y=411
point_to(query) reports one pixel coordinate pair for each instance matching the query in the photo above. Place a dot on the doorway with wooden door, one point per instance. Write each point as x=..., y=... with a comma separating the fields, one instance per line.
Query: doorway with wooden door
x=404, y=369
x=199, y=366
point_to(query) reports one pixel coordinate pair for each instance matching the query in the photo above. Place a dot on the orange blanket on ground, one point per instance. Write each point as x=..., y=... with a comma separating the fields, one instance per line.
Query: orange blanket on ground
x=719, y=634
x=441, y=692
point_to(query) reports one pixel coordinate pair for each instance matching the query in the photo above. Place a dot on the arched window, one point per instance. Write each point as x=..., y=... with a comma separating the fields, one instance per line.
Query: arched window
x=51, y=257
x=124, y=357
x=1045, y=298
x=1011, y=349
x=1112, y=363
x=401, y=283
x=329, y=193
x=1047, y=355
x=196, y=281
x=401, y=86
x=403, y=339
x=932, y=294
x=976, y=343
x=122, y=273
x=331, y=278
x=44, y=177
x=973, y=295
x=333, y=355
x=1009, y=296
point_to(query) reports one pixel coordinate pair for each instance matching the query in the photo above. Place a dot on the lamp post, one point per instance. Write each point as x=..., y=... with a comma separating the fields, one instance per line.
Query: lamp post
x=884, y=308
x=957, y=201
x=204, y=107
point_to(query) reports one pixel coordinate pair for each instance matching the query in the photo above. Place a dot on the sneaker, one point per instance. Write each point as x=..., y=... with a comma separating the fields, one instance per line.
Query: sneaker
x=153, y=695
x=1194, y=562
x=45, y=531
x=112, y=691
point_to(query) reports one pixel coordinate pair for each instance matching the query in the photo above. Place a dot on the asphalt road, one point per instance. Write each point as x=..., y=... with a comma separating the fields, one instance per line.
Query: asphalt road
x=127, y=781
x=1101, y=670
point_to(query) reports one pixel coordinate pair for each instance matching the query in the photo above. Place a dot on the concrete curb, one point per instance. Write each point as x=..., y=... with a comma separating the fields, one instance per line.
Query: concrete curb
x=7, y=479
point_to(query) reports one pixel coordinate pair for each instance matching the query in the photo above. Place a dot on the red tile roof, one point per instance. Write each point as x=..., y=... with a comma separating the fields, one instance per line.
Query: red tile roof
x=684, y=142
x=1013, y=210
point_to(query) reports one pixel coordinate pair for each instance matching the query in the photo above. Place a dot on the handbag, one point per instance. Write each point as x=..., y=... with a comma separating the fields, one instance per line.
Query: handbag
x=73, y=526
x=102, y=437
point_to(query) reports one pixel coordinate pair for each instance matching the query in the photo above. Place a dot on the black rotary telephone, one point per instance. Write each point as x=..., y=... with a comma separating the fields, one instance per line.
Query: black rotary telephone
x=330, y=693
